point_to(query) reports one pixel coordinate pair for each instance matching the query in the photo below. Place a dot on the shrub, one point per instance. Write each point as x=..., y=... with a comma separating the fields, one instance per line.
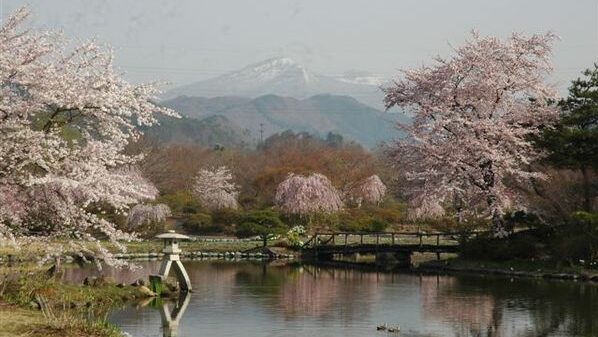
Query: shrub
x=201, y=223
x=180, y=202
x=294, y=236
x=521, y=219
x=577, y=240
x=523, y=245
x=377, y=225
x=225, y=216
x=361, y=221
x=263, y=223
x=350, y=225
x=390, y=211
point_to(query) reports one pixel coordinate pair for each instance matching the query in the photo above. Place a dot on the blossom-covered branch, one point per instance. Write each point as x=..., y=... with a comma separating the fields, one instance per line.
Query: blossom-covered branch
x=473, y=115
x=65, y=119
x=215, y=188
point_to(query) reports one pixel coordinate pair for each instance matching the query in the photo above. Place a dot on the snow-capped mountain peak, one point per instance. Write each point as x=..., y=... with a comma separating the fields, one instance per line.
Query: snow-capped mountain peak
x=273, y=68
x=282, y=76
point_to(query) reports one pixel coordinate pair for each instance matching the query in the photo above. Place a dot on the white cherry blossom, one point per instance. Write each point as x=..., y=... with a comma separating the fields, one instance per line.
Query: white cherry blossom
x=215, y=189
x=65, y=118
x=473, y=115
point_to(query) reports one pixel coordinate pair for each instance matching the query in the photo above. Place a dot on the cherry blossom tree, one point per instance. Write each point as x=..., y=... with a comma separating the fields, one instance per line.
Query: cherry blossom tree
x=474, y=114
x=215, y=188
x=370, y=190
x=307, y=195
x=146, y=215
x=65, y=119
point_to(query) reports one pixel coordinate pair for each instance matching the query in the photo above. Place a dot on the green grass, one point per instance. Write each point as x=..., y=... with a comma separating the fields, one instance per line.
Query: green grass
x=66, y=308
x=192, y=246
x=18, y=321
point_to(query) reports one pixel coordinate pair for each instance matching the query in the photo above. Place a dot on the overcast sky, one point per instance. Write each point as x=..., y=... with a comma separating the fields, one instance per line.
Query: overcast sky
x=187, y=40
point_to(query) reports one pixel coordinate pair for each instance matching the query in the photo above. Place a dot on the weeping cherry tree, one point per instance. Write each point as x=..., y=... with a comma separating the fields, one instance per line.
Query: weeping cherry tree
x=370, y=190
x=307, y=195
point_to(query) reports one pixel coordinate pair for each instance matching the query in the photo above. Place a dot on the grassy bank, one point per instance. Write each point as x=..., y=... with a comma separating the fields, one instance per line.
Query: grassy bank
x=17, y=321
x=35, y=305
x=194, y=246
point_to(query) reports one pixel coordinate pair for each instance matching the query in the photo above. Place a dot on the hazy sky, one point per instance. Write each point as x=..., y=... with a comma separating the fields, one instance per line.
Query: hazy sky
x=184, y=41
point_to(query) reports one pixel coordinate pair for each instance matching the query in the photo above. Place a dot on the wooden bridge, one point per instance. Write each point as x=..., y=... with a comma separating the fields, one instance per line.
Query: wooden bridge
x=399, y=245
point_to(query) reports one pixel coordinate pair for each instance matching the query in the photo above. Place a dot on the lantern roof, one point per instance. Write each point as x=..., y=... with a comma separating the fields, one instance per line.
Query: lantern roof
x=171, y=234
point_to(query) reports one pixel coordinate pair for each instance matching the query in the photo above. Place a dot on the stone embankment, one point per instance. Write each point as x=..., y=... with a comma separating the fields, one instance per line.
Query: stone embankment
x=199, y=255
x=151, y=256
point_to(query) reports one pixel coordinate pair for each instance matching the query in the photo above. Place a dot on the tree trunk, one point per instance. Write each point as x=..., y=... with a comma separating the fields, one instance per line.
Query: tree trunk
x=265, y=240
x=458, y=204
x=587, y=197
x=498, y=224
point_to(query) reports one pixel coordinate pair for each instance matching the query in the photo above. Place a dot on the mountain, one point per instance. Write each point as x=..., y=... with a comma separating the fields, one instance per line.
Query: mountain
x=284, y=77
x=208, y=131
x=317, y=115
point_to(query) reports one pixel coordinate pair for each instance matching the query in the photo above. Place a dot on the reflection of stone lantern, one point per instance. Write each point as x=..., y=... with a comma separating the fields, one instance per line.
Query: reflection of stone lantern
x=172, y=259
x=171, y=319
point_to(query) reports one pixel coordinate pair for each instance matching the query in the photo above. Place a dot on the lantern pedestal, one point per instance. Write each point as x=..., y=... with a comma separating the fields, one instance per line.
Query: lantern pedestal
x=171, y=260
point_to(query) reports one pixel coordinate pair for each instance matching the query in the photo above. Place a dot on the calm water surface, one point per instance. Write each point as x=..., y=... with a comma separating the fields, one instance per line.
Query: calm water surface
x=252, y=299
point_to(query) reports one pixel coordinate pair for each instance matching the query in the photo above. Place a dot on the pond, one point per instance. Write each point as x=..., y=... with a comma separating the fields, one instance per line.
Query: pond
x=254, y=299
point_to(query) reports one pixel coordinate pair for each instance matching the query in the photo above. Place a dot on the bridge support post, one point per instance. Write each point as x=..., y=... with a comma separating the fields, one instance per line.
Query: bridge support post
x=354, y=257
x=394, y=260
x=325, y=256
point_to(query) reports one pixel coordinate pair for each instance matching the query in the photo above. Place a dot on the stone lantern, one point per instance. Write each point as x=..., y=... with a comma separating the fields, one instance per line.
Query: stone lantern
x=172, y=259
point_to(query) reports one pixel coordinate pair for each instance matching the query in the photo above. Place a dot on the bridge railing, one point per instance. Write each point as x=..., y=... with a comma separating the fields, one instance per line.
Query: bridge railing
x=387, y=238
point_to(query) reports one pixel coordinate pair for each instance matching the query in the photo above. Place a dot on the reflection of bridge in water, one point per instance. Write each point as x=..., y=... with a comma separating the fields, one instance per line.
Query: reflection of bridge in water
x=398, y=246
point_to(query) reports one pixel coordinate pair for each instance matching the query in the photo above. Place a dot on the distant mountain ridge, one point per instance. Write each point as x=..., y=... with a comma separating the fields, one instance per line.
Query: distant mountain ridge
x=283, y=76
x=209, y=131
x=317, y=115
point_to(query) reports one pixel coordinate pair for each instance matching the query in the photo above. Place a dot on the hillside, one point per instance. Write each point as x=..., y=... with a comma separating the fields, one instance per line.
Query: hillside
x=208, y=131
x=318, y=115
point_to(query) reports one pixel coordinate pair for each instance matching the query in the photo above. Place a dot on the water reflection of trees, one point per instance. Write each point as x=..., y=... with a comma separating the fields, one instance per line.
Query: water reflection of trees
x=312, y=291
x=495, y=307
x=468, y=306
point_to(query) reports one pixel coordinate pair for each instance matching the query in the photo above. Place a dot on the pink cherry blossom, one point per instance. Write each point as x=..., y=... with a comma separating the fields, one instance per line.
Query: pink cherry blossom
x=65, y=119
x=370, y=190
x=143, y=214
x=305, y=195
x=473, y=114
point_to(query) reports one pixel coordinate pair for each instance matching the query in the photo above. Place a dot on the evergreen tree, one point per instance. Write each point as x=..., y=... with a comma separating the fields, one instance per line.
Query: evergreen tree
x=573, y=143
